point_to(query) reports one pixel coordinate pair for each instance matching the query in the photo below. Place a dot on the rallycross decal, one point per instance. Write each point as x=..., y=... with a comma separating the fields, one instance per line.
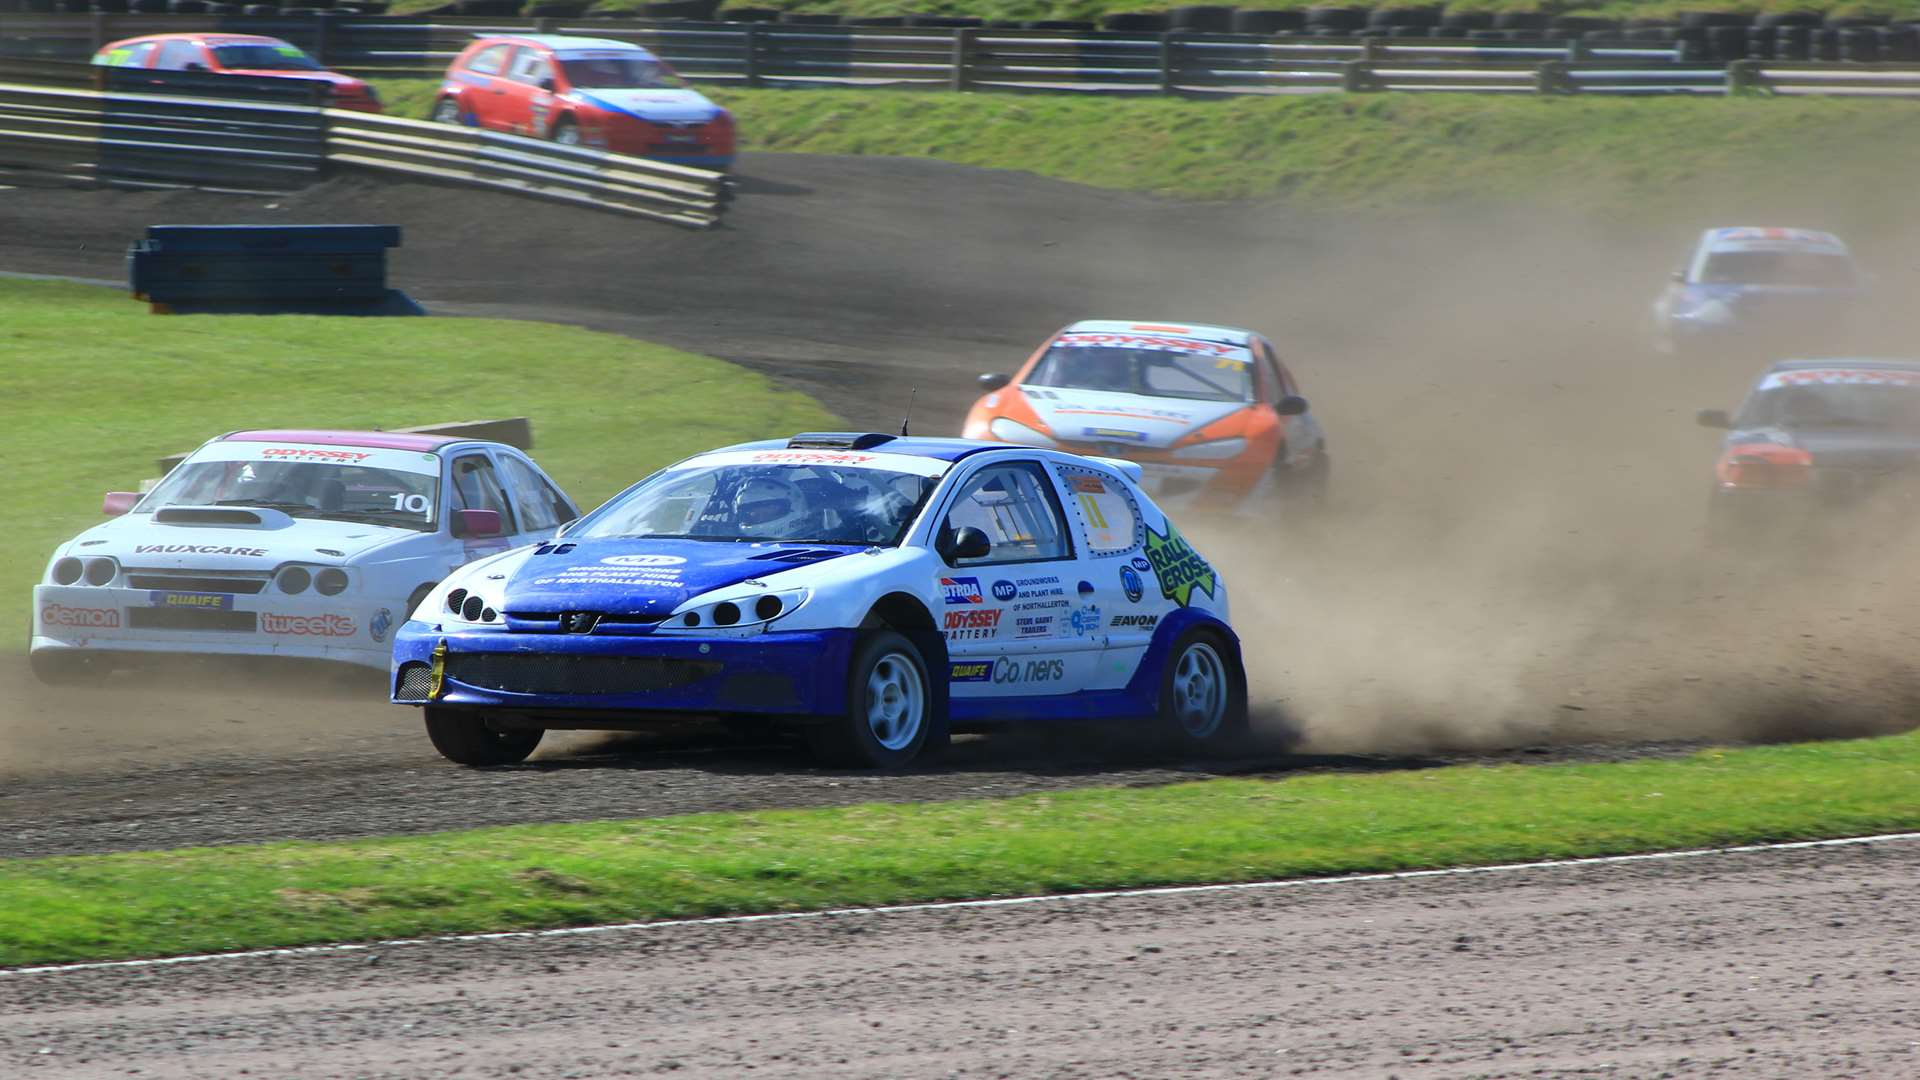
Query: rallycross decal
x=1178, y=567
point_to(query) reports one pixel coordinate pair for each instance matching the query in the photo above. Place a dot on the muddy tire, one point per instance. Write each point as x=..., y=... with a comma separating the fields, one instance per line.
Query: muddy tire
x=890, y=710
x=1203, y=694
x=466, y=738
x=566, y=133
x=446, y=111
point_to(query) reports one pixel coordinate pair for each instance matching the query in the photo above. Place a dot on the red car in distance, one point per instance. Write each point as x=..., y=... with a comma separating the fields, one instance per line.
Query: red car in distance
x=237, y=54
x=596, y=92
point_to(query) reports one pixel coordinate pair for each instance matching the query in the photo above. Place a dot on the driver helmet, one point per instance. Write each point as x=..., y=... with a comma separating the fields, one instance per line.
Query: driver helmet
x=769, y=506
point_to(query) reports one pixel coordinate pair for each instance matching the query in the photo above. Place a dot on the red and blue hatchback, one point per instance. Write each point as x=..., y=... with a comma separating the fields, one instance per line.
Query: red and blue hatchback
x=594, y=92
x=238, y=54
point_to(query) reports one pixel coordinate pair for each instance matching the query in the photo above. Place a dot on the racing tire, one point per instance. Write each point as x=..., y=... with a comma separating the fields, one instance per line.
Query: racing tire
x=566, y=132
x=465, y=738
x=61, y=667
x=413, y=602
x=1203, y=694
x=446, y=111
x=890, y=707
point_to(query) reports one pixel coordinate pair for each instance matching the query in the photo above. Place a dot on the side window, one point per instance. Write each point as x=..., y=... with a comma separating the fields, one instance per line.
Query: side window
x=176, y=55
x=529, y=67
x=490, y=60
x=476, y=487
x=541, y=507
x=1014, y=505
x=1107, y=516
x=127, y=55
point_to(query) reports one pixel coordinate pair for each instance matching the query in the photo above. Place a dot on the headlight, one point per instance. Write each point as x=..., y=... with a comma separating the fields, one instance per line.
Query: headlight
x=331, y=581
x=293, y=580
x=1015, y=432
x=471, y=607
x=747, y=612
x=102, y=571
x=1217, y=450
x=68, y=570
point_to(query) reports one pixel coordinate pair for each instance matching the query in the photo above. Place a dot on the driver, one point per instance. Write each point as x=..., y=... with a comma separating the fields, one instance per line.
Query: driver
x=772, y=507
x=1096, y=369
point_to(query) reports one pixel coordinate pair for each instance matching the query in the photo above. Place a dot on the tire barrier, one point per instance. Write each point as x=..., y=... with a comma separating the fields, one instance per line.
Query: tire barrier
x=267, y=270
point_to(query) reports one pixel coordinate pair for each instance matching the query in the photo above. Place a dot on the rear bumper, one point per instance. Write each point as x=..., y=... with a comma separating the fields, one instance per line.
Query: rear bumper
x=787, y=674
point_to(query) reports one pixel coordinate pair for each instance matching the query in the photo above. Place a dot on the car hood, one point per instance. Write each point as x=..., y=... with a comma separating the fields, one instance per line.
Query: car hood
x=662, y=106
x=1128, y=419
x=646, y=577
x=1841, y=448
x=138, y=540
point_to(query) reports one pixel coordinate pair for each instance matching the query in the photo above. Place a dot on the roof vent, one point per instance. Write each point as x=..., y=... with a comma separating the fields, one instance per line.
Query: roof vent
x=838, y=440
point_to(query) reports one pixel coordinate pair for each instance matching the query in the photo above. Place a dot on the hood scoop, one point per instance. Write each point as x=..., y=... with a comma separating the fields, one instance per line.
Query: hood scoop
x=206, y=515
x=553, y=549
x=797, y=555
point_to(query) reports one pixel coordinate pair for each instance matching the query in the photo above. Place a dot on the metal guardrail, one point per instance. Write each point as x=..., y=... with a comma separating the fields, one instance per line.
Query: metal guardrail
x=1855, y=80
x=166, y=135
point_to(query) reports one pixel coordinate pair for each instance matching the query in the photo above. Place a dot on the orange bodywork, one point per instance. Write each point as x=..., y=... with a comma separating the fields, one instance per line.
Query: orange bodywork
x=1259, y=423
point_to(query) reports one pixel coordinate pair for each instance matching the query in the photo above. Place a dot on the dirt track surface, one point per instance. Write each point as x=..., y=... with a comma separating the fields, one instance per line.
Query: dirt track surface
x=1513, y=559
x=1785, y=963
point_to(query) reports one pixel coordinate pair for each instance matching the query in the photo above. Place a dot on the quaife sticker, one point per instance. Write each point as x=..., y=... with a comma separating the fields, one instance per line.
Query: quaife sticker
x=1178, y=567
x=971, y=671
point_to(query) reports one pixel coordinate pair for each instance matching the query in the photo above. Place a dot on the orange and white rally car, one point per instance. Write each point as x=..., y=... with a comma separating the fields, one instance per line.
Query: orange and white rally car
x=1215, y=420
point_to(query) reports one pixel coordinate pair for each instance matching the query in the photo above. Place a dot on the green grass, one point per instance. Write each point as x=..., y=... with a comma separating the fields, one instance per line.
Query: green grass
x=1643, y=158
x=96, y=390
x=144, y=904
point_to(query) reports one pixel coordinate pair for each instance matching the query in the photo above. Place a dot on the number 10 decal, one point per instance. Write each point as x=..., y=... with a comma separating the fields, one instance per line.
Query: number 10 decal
x=412, y=504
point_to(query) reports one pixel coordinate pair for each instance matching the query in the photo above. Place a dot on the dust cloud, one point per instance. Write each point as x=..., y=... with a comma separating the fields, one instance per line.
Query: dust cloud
x=1514, y=554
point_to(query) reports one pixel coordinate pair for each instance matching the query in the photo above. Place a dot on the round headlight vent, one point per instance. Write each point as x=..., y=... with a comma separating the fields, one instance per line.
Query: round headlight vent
x=100, y=571
x=67, y=571
x=472, y=608
x=767, y=607
x=725, y=614
x=454, y=600
x=330, y=582
x=294, y=579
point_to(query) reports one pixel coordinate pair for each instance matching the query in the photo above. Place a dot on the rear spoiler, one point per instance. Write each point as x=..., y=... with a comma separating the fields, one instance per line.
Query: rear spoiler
x=515, y=431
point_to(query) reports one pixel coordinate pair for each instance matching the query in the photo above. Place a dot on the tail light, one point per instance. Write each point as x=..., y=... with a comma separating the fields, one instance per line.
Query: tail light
x=1765, y=465
x=720, y=131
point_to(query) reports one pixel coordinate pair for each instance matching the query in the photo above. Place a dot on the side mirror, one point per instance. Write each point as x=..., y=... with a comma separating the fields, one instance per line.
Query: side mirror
x=477, y=524
x=1292, y=405
x=1713, y=418
x=994, y=380
x=564, y=526
x=118, y=502
x=547, y=84
x=965, y=542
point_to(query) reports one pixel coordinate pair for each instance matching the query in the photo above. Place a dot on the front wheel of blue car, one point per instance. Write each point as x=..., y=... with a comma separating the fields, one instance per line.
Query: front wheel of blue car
x=890, y=705
x=1203, y=694
x=465, y=737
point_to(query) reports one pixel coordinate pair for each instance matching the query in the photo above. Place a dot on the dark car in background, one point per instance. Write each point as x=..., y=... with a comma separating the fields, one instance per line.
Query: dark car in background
x=1816, y=445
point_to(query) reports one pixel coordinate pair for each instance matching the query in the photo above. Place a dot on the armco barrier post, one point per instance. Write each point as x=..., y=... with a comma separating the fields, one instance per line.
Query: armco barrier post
x=962, y=57
x=1743, y=76
x=1167, y=65
x=1356, y=76
x=750, y=61
x=1551, y=78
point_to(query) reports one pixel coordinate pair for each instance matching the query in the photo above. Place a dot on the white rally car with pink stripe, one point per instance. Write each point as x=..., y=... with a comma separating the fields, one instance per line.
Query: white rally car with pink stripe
x=306, y=544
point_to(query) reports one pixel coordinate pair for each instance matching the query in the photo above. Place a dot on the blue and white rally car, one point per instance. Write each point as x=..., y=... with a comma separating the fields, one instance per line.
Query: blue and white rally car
x=1767, y=288
x=878, y=592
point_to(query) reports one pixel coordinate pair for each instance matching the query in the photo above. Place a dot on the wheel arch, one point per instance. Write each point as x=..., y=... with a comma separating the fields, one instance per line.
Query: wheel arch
x=905, y=613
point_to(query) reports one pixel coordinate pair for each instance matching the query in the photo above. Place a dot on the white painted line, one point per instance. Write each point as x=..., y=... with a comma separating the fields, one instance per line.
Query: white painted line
x=963, y=905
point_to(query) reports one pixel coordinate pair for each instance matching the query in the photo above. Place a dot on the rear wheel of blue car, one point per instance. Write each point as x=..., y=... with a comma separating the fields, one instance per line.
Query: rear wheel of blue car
x=1203, y=694
x=465, y=737
x=890, y=706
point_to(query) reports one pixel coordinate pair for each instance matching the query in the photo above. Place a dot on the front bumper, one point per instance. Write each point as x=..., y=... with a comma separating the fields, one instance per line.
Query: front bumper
x=121, y=620
x=800, y=673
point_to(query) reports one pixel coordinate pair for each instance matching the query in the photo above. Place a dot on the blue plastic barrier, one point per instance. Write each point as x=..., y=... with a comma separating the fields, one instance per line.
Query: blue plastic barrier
x=267, y=270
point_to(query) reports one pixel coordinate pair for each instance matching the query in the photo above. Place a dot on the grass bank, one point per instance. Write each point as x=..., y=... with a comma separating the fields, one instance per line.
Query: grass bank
x=144, y=904
x=1388, y=152
x=97, y=389
x=1093, y=9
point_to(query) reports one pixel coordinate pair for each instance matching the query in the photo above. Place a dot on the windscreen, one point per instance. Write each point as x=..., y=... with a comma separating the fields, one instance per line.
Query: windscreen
x=618, y=72
x=1154, y=370
x=798, y=502
x=1802, y=268
x=258, y=57
x=382, y=487
x=1880, y=405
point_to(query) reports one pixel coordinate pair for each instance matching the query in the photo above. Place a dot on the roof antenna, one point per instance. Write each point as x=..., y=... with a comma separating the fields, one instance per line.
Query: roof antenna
x=907, y=419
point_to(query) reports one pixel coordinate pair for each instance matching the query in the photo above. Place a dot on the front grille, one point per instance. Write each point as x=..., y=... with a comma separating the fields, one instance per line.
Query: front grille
x=548, y=622
x=162, y=580
x=519, y=673
x=241, y=622
x=416, y=682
